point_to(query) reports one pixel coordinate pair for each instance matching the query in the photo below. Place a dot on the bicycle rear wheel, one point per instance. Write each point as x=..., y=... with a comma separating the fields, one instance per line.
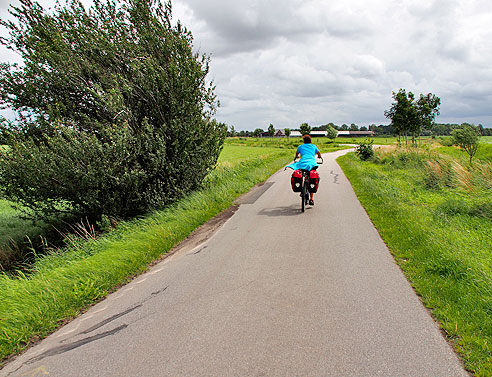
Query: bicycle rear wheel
x=304, y=193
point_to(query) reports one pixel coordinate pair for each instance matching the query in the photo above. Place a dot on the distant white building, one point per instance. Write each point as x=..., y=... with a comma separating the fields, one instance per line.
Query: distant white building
x=318, y=133
x=295, y=134
x=355, y=133
x=343, y=133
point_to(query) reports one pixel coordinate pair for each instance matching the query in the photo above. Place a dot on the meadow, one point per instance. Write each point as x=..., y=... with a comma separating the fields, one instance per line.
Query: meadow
x=434, y=211
x=324, y=144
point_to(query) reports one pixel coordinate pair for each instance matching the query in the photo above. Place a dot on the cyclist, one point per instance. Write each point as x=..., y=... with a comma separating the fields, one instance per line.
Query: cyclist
x=307, y=152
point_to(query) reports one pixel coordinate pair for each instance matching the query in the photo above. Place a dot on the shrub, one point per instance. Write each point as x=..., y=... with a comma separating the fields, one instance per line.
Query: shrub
x=331, y=133
x=114, y=110
x=446, y=141
x=468, y=138
x=364, y=150
x=119, y=172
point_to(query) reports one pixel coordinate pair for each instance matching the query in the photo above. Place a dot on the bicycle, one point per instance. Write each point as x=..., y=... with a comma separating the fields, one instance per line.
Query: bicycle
x=301, y=183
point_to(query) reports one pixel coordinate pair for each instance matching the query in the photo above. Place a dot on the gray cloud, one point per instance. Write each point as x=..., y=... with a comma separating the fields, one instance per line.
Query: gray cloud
x=4, y=4
x=290, y=61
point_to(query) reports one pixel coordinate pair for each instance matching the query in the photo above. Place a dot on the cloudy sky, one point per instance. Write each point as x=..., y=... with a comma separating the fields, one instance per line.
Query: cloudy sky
x=318, y=61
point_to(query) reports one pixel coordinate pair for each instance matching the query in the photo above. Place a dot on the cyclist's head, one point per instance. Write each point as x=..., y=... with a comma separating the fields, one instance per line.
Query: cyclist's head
x=307, y=139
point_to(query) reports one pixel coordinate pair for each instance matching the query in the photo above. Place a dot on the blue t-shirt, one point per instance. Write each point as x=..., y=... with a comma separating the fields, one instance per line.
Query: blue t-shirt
x=308, y=160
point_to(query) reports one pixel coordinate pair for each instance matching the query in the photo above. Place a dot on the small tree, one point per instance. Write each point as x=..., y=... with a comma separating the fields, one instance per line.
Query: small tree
x=271, y=130
x=411, y=116
x=364, y=150
x=305, y=129
x=232, y=131
x=467, y=138
x=287, y=132
x=331, y=133
x=403, y=113
x=428, y=109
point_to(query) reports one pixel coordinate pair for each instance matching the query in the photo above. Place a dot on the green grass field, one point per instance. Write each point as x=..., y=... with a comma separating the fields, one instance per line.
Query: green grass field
x=484, y=152
x=324, y=144
x=437, y=225
x=232, y=155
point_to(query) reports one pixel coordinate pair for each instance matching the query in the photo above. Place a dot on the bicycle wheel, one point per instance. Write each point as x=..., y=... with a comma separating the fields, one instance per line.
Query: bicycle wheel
x=304, y=193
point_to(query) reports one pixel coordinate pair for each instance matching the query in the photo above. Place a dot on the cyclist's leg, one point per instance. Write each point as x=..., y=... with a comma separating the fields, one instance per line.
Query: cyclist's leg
x=311, y=196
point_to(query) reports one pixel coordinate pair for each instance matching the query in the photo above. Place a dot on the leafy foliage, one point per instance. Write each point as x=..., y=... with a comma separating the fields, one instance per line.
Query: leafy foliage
x=271, y=130
x=410, y=116
x=331, y=133
x=364, y=150
x=114, y=109
x=468, y=138
x=257, y=132
x=305, y=129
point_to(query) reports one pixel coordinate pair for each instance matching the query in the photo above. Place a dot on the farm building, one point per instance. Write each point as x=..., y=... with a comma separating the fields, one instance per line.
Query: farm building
x=318, y=134
x=355, y=133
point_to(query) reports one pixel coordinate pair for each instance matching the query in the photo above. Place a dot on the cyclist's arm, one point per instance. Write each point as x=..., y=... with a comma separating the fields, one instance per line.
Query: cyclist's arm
x=297, y=155
x=319, y=154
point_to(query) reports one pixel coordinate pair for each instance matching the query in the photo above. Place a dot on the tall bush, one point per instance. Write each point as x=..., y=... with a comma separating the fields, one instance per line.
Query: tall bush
x=305, y=129
x=467, y=138
x=114, y=109
x=364, y=150
x=331, y=133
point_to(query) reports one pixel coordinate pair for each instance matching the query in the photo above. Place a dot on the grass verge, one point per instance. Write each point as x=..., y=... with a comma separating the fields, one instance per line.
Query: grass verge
x=65, y=282
x=439, y=234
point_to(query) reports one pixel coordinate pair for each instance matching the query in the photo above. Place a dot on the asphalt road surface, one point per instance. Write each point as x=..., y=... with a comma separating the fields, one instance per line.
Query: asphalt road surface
x=274, y=292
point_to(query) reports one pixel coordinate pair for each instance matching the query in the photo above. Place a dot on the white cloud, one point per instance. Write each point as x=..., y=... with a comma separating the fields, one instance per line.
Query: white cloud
x=289, y=61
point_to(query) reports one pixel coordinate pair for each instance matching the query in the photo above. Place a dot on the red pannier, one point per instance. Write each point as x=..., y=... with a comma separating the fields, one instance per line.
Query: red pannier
x=296, y=180
x=313, y=181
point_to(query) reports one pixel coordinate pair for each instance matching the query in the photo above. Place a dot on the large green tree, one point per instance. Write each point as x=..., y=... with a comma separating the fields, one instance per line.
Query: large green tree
x=114, y=109
x=410, y=116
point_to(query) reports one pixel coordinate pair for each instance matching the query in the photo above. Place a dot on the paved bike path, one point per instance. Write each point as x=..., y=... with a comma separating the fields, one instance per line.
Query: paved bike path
x=275, y=292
